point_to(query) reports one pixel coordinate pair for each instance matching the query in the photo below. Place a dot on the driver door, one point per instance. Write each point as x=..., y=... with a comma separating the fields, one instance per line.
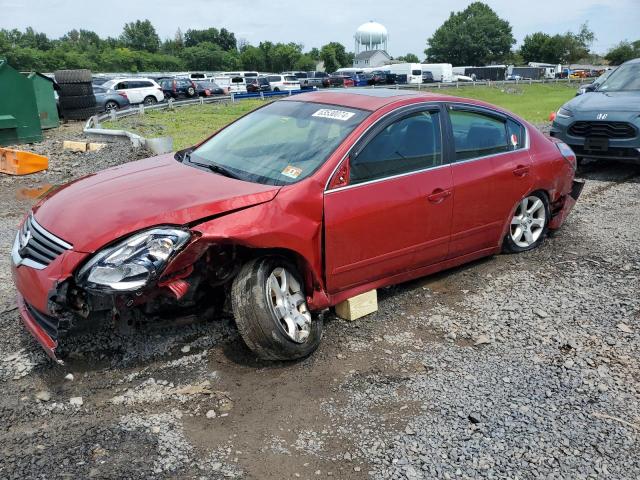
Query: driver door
x=394, y=215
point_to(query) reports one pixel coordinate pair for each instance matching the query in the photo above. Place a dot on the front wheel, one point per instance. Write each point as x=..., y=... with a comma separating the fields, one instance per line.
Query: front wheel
x=529, y=223
x=270, y=308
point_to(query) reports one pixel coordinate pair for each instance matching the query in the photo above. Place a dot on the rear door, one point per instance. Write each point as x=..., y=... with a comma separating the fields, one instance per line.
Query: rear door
x=394, y=215
x=490, y=174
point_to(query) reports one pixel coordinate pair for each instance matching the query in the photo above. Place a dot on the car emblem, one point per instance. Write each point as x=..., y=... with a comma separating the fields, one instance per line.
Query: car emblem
x=602, y=116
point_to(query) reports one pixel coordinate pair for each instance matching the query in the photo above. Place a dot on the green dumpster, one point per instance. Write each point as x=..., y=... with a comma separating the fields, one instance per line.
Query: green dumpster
x=45, y=100
x=19, y=120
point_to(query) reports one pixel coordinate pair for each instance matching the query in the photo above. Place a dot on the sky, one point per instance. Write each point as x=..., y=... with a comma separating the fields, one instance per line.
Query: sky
x=314, y=23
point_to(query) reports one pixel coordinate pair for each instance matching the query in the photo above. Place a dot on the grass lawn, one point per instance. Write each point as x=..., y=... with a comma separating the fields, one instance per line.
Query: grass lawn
x=532, y=102
x=189, y=125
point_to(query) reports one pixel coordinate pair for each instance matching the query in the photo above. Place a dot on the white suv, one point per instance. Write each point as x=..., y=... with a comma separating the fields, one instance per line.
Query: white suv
x=283, y=82
x=138, y=90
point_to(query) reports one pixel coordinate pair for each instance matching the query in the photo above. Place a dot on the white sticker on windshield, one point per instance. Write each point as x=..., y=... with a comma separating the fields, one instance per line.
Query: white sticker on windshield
x=333, y=114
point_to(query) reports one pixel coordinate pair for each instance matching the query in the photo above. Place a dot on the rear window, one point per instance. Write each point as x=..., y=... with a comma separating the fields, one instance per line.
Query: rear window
x=274, y=78
x=416, y=72
x=290, y=78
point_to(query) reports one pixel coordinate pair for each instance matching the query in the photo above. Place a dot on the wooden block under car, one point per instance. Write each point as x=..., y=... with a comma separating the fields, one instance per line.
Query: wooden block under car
x=74, y=146
x=358, y=306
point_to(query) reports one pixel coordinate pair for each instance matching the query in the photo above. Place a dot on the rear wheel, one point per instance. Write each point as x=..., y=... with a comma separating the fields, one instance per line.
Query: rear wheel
x=271, y=312
x=191, y=92
x=276, y=89
x=529, y=223
x=111, y=105
x=150, y=100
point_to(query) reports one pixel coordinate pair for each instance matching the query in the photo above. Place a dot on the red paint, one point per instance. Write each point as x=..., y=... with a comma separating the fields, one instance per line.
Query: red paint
x=347, y=240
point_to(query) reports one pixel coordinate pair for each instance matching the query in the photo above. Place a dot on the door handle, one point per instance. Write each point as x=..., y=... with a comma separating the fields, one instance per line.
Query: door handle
x=438, y=195
x=521, y=170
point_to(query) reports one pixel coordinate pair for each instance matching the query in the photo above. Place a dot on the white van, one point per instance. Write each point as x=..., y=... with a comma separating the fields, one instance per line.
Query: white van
x=235, y=84
x=413, y=71
x=442, y=72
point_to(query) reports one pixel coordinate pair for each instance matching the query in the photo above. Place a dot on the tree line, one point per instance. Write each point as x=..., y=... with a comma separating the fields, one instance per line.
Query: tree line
x=139, y=48
x=473, y=36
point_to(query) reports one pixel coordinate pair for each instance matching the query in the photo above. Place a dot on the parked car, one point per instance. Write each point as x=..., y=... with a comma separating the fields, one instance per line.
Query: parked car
x=138, y=90
x=108, y=100
x=341, y=81
x=264, y=208
x=283, y=82
x=379, y=77
x=258, y=84
x=361, y=79
x=427, y=77
x=298, y=74
x=315, y=79
x=207, y=88
x=178, y=88
x=232, y=84
x=604, y=124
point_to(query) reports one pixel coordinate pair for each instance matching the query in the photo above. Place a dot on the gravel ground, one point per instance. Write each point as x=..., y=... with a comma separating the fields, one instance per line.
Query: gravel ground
x=517, y=366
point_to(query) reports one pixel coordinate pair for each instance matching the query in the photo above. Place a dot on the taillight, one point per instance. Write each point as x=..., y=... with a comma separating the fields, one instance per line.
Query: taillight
x=567, y=154
x=123, y=94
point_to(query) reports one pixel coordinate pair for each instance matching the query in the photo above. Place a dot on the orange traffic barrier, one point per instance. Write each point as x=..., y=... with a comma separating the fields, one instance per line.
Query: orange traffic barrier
x=18, y=162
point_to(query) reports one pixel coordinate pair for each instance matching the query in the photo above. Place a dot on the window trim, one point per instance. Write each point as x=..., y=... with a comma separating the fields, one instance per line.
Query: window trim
x=382, y=123
x=461, y=106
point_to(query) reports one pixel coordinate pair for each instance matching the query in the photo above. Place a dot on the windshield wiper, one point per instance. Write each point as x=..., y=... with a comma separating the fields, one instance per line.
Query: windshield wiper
x=219, y=169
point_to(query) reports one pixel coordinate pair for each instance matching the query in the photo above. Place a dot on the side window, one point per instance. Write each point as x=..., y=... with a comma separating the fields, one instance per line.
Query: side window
x=409, y=144
x=122, y=86
x=145, y=84
x=516, y=134
x=477, y=135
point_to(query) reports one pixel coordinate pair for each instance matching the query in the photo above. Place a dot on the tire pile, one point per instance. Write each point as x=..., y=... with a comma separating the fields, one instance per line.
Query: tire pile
x=77, y=100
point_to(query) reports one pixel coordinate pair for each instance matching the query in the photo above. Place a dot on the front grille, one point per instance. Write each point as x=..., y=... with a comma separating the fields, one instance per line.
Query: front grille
x=603, y=129
x=48, y=324
x=612, y=153
x=37, y=247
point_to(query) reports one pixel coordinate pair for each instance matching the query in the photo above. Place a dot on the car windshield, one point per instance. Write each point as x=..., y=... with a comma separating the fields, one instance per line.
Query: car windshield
x=279, y=144
x=625, y=78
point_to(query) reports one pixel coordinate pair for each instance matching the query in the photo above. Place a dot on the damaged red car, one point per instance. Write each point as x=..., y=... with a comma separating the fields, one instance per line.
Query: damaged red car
x=288, y=211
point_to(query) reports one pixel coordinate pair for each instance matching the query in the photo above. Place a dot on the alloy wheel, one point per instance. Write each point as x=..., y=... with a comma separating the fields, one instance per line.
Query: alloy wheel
x=289, y=305
x=528, y=221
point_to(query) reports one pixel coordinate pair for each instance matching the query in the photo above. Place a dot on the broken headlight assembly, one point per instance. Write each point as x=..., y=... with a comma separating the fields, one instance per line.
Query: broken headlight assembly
x=134, y=262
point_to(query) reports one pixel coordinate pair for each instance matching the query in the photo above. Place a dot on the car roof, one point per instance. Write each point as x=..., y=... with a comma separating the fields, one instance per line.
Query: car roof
x=365, y=99
x=373, y=99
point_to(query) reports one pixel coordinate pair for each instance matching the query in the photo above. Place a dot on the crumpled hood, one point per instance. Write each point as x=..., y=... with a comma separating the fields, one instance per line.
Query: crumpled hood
x=100, y=208
x=604, y=102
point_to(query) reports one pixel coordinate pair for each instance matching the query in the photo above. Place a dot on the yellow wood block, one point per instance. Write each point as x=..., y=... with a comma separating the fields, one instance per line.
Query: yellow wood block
x=358, y=306
x=92, y=147
x=74, y=146
x=18, y=162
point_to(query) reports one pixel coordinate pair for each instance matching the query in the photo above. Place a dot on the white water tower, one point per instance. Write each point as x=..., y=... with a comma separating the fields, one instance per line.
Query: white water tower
x=371, y=36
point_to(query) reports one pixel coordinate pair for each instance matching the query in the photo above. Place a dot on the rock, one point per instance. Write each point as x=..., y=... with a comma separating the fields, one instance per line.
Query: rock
x=623, y=327
x=475, y=417
x=540, y=313
x=185, y=349
x=155, y=429
x=76, y=401
x=69, y=376
x=43, y=396
x=409, y=431
x=481, y=340
x=211, y=414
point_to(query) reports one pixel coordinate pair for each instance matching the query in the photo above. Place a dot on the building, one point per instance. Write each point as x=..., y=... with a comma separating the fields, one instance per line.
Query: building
x=371, y=58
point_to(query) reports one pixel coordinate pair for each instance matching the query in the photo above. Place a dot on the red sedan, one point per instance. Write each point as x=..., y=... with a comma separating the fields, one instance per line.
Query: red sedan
x=291, y=209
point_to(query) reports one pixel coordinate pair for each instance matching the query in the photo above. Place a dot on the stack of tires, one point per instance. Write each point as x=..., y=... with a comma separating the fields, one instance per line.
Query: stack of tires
x=77, y=101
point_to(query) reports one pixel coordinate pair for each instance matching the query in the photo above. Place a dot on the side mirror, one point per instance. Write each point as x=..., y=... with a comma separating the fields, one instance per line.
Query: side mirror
x=590, y=88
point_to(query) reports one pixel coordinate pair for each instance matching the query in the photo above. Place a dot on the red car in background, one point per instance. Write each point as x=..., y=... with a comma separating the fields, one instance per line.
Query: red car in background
x=289, y=210
x=341, y=81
